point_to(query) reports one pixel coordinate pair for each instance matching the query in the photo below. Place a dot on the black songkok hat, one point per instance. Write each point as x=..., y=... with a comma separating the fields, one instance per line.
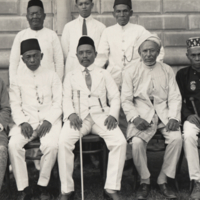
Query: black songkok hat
x=86, y=40
x=30, y=44
x=193, y=42
x=126, y=2
x=35, y=3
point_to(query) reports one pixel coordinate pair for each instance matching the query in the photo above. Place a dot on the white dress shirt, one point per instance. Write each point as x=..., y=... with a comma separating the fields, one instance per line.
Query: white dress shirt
x=72, y=33
x=50, y=47
x=119, y=45
x=36, y=96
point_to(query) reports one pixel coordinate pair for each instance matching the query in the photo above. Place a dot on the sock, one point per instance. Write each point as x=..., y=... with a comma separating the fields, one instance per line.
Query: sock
x=162, y=178
x=146, y=181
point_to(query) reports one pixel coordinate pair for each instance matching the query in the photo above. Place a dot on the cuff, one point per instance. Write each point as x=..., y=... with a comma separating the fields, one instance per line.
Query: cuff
x=133, y=118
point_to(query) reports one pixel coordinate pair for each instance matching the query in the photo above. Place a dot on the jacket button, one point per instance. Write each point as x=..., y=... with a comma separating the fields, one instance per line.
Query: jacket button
x=89, y=108
x=89, y=96
x=38, y=111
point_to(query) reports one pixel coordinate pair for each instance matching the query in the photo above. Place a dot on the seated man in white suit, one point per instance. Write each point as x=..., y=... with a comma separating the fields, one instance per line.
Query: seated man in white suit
x=151, y=100
x=95, y=86
x=35, y=98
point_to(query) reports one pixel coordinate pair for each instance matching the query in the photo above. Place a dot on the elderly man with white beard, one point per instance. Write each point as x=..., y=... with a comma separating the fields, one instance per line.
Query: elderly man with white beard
x=151, y=100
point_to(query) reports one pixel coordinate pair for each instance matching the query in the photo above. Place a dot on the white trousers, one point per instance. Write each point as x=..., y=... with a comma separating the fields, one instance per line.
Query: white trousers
x=190, y=138
x=115, y=142
x=48, y=147
x=173, y=140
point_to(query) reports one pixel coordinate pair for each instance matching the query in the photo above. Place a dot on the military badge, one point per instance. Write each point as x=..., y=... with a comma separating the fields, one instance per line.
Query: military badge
x=193, y=85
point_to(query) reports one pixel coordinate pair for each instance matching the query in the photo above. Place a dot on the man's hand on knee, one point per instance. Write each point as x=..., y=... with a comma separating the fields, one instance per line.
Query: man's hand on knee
x=75, y=121
x=141, y=124
x=44, y=128
x=26, y=130
x=194, y=119
x=110, y=122
x=173, y=125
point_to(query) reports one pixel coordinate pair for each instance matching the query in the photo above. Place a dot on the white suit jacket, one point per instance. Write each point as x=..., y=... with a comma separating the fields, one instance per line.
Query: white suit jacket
x=71, y=35
x=103, y=87
x=50, y=47
x=25, y=90
x=135, y=99
x=117, y=41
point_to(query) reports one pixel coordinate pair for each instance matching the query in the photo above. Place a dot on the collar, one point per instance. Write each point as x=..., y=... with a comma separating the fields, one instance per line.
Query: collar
x=36, y=72
x=124, y=27
x=90, y=68
x=86, y=19
x=37, y=30
x=149, y=67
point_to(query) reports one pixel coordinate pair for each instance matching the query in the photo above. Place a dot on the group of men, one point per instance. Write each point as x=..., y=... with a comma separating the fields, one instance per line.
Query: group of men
x=136, y=85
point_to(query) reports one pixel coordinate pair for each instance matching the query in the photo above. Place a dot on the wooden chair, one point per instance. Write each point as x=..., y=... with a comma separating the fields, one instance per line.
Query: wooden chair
x=158, y=136
x=93, y=144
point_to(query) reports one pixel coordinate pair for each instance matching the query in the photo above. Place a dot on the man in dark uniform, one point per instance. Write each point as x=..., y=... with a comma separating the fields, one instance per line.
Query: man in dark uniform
x=188, y=80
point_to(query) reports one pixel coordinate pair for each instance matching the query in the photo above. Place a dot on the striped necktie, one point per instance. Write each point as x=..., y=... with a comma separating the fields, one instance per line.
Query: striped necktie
x=88, y=78
x=84, y=28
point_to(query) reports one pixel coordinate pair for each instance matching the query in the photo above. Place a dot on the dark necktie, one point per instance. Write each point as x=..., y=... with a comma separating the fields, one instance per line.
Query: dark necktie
x=88, y=79
x=84, y=28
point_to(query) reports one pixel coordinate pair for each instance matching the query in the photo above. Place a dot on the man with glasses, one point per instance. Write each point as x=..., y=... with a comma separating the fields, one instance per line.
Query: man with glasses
x=48, y=40
x=188, y=80
x=35, y=98
x=85, y=24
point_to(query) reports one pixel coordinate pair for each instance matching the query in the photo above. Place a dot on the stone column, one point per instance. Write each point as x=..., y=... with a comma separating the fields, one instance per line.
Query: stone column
x=63, y=14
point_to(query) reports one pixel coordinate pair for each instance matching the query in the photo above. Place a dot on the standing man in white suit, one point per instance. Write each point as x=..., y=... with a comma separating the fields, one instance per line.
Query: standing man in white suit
x=85, y=24
x=119, y=43
x=95, y=86
x=35, y=98
x=48, y=40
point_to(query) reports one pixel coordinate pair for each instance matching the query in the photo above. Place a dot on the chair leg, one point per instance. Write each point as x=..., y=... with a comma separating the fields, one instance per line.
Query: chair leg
x=104, y=161
x=178, y=170
x=191, y=186
x=7, y=176
x=135, y=178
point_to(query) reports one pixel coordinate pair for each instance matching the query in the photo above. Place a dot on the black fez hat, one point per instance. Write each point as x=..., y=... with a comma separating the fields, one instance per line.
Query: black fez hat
x=126, y=2
x=35, y=3
x=30, y=44
x=86, y=40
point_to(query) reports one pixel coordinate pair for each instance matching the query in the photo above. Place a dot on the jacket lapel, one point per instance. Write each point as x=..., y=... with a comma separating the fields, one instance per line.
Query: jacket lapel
x=79, y=79
x=96, y=79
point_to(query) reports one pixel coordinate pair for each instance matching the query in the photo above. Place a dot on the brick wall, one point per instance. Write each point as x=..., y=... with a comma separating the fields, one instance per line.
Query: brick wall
x=173, y=20
x=12, y=20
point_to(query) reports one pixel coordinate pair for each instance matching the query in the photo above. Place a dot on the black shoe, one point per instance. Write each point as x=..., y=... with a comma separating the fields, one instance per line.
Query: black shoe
x=23, y=196
x=44, y=193
x=143, y=191
x=110, y=196
x=167, y=192
x=69, y=196
x=195, y=195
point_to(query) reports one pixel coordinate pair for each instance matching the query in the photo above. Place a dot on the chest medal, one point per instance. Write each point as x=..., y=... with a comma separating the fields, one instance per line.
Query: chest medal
x=193, y=85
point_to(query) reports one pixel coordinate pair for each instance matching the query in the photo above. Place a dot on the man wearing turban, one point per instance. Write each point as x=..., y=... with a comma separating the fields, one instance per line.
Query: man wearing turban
x=95, y=86
x=35, y=98
x=151, y=100
x=48, y=40
x=188, y=80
